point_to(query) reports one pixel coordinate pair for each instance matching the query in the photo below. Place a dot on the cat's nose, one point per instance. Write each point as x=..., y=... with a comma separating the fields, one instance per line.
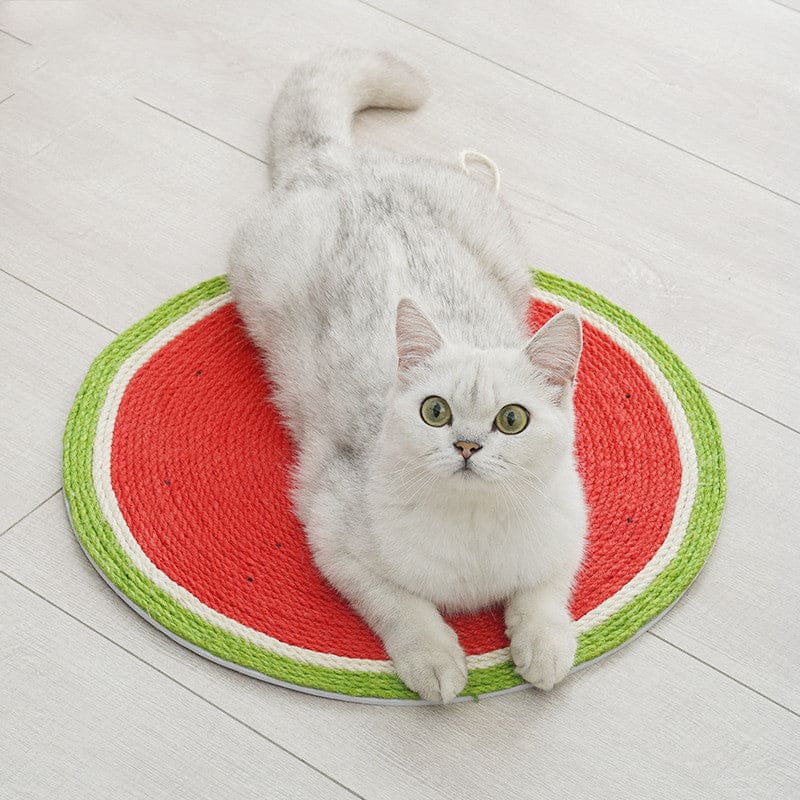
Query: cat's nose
x=467, y=448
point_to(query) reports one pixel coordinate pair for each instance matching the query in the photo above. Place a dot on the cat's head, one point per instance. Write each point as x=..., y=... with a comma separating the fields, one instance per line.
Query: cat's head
x=478, y=418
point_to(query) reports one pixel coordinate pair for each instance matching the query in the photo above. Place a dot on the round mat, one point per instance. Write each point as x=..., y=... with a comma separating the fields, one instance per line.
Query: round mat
x=176, y=474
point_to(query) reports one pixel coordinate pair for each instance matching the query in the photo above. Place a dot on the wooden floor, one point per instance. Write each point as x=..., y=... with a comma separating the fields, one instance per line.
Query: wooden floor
x=651, y=150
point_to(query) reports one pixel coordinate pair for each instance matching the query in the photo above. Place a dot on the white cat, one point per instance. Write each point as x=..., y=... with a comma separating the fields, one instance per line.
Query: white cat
x=434, y=436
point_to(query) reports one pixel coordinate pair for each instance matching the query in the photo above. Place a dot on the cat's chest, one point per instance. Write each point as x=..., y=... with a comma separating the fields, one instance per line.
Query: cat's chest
x=464, y=558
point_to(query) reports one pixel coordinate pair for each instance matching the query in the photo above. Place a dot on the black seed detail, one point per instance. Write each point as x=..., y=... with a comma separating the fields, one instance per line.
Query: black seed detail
x=629, y=520
x=278, y=545
x=199, y=372
x=167, y=481
x=249, y=579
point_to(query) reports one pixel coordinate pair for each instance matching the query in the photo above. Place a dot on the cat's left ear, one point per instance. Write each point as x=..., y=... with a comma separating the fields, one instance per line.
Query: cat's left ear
x=417, y=337
x=555, y=349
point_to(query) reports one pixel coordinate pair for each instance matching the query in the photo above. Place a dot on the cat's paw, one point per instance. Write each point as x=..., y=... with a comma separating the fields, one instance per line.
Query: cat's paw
x=543, y=652
x=435, y=668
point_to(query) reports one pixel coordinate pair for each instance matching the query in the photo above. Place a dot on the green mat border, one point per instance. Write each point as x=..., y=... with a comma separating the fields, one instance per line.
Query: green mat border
x=103, y=548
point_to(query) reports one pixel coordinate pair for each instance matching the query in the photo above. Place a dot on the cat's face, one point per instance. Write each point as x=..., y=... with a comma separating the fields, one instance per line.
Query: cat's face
x=478, y=418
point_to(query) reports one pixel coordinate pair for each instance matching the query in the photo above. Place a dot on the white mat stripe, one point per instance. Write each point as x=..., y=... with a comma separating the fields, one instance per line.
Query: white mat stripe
x=689, y=469
x=111, y=511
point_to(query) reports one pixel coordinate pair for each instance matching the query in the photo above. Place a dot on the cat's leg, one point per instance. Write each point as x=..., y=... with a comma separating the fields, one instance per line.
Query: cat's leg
x=539, y=627
x=424, y=649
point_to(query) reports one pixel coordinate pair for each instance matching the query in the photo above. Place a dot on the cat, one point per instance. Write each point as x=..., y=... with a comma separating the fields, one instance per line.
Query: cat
x=434, y=435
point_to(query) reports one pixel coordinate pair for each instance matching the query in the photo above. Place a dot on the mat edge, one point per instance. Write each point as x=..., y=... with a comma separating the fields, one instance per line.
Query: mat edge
x=606, y=637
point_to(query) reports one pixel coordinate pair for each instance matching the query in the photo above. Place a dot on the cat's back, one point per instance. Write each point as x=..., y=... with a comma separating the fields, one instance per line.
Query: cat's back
x=318, y=269
x=346, y=239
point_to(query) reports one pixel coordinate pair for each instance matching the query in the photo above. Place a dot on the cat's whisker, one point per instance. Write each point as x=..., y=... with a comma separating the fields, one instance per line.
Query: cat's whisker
x=522, y=511
x=411, y=491
x=531, y=481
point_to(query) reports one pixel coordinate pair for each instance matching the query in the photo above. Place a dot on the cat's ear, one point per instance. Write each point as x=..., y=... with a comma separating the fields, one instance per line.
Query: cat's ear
x=555, y=349
x=417, y=337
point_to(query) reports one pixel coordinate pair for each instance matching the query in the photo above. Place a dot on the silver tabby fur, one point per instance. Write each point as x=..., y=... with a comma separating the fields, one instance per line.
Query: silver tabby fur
x=371, y=281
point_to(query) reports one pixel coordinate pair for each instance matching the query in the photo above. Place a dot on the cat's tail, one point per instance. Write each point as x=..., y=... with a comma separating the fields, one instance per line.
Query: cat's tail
x=316, y=105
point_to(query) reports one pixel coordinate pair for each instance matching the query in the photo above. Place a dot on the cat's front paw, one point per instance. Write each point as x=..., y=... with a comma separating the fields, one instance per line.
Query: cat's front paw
x=435, y=668
x=543, y=652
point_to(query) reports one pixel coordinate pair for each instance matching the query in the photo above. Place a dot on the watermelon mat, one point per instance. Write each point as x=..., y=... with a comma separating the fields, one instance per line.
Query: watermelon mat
x=176, y=477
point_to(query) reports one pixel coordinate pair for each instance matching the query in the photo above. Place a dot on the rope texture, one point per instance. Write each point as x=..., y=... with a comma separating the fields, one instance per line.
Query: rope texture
x=234, y=644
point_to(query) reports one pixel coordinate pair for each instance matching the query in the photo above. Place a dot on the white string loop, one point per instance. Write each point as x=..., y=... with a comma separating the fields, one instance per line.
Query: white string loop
x=473, y=156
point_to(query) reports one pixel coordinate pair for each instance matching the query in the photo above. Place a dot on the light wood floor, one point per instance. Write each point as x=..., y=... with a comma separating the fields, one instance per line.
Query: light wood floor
x=650, y=149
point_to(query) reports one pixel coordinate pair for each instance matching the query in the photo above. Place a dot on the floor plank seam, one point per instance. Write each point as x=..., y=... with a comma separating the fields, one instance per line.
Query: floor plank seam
x=183, y=686
x=199, y=130
x=583, y=104
x=60, y=302
x=727, y=675
x=28, y=513
x=787, y=7
x=749, y=408
x=18, y=38
x=174, y=680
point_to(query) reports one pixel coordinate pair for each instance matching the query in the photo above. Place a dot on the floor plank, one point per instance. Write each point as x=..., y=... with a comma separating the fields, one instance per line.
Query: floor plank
x=793, y=5
x=649, y=716
x=742, y=615
x=714, y=78
x=164, y=142
x=46, y=351
x=16, y=56
x=704, y=258
x=111, y=205
x=83, y=720
x=116, y=211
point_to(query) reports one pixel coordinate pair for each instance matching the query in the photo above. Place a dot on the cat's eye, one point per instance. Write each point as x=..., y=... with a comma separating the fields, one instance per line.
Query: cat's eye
x=511, y=419
x=435, y=411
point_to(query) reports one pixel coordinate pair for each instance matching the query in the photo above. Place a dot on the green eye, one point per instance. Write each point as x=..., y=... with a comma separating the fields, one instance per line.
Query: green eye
x=435, y=411
x=511, y=419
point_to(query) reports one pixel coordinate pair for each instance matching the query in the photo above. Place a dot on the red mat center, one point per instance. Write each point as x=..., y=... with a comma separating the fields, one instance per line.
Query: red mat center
x=200, y=461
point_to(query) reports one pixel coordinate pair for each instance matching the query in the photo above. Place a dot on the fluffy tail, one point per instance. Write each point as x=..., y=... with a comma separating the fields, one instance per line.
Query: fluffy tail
x=316, y=105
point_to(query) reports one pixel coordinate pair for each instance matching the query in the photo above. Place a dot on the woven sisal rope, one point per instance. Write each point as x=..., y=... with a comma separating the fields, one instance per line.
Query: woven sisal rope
x=147, y=454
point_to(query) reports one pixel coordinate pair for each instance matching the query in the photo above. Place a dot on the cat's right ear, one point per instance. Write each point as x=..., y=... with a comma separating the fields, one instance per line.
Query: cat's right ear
x=417, y=337
x=555, y=350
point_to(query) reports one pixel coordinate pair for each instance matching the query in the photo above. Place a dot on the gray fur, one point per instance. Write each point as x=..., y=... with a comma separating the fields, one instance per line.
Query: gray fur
x=393, y=521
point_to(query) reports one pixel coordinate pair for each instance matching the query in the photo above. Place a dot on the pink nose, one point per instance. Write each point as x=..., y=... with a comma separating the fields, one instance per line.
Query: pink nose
x=467, y=448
